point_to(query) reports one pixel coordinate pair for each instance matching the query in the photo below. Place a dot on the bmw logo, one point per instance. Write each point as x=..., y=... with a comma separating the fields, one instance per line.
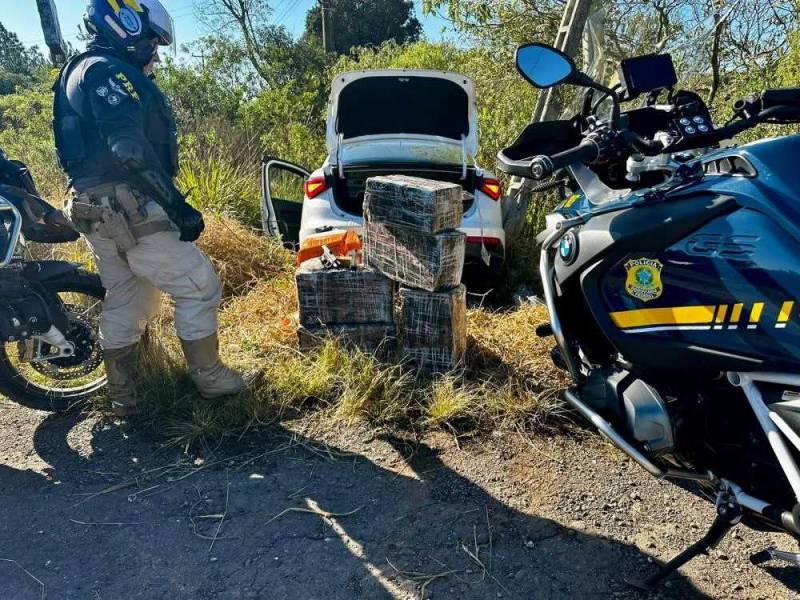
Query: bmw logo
x=568, y=248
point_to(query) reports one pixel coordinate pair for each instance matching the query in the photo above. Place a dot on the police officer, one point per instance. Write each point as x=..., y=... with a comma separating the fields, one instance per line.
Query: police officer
x=116, y=140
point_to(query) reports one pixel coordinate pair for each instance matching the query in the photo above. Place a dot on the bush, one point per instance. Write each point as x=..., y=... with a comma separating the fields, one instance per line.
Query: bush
x=26, y=134
x=221, y=177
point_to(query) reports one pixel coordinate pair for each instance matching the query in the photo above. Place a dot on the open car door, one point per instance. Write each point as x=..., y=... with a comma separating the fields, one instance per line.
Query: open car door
x=282, y=194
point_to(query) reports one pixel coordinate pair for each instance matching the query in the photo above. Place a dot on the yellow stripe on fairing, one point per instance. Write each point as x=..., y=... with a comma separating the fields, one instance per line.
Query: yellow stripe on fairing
x=736, y=315
x=654, y=317
x=758, y=310
x=134, y=4
x=722, y=313
x=786, y=312
x=114, y=5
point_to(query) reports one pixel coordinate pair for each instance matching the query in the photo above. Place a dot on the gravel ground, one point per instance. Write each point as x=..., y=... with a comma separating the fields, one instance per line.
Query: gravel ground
x=90, y=511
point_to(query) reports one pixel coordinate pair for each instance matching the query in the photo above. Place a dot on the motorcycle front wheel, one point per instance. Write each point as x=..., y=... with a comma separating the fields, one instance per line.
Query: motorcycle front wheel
x=58, y=384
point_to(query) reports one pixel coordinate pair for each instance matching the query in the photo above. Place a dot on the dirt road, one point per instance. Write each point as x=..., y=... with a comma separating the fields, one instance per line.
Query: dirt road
x=88, y=511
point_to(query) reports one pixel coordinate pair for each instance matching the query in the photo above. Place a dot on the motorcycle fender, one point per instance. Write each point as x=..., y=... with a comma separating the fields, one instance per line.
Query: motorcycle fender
x=43, y=270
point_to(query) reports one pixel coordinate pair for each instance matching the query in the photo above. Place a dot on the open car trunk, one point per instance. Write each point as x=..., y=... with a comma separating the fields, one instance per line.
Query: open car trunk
x=402, y=116
x=348, y=191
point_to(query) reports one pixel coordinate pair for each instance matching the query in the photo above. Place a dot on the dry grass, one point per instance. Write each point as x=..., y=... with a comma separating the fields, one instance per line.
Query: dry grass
x=242, y=257
x=507, y=379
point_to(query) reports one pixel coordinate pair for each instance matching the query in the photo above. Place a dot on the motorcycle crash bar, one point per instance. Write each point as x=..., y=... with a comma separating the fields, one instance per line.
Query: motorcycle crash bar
x=773, y=513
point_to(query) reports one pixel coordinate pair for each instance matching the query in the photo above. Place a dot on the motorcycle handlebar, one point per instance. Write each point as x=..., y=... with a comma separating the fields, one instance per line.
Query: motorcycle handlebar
x=542, y=166
x=781, y=97
x=775, y=104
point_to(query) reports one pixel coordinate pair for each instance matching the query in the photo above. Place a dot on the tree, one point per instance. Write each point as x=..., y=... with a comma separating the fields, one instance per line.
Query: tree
x=243, y=27
x=18, y=64
x=366, y=23
x=502, y=23
x=711, y=41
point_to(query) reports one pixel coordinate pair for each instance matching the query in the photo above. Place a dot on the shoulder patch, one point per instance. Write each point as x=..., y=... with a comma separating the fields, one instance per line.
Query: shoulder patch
x=102, y=91
x=125, y=83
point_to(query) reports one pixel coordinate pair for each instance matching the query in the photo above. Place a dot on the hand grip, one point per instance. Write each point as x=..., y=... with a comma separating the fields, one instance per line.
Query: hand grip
x=543, y=167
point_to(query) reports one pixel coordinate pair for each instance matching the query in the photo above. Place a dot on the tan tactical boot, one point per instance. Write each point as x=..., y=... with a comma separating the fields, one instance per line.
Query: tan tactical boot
x=211, y=376
x=121, y=373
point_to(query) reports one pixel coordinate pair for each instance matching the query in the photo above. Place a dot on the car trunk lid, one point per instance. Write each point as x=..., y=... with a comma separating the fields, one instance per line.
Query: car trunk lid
x=404, y=116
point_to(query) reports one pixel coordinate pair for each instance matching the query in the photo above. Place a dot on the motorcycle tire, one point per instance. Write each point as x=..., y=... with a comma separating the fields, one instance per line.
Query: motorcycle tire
x=20, y=389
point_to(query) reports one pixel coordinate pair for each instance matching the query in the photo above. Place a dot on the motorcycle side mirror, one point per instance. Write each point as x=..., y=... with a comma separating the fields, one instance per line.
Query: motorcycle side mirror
x=544, y=66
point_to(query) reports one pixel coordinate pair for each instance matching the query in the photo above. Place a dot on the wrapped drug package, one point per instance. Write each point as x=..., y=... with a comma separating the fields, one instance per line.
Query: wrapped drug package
x=343, y=295
x=425, y=205
x=424, y=261
x=433, y=328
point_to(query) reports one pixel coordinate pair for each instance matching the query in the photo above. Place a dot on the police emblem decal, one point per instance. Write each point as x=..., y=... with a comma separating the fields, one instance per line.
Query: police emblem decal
x=102, y=91
x=114, y=99
x=130, y=21
x=644, y=279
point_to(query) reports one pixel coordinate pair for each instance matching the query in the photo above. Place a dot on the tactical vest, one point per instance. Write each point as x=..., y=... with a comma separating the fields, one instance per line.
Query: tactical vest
x=82, y=151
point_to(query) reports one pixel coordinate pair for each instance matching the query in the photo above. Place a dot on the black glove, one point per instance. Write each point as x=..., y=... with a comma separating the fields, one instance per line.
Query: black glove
x=190, y=222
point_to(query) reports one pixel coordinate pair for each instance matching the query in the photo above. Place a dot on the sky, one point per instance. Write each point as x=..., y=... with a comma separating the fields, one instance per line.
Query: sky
x=291, y=13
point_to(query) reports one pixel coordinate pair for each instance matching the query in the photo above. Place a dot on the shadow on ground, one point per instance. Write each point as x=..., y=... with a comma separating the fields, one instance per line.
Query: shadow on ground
x=116, y=515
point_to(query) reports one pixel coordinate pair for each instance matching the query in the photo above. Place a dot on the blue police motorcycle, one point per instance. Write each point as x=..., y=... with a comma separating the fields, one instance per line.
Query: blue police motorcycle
x=671, y=273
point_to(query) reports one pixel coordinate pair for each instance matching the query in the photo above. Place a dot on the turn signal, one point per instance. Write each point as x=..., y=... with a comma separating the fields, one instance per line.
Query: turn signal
x=315, y=186
x=492, y=188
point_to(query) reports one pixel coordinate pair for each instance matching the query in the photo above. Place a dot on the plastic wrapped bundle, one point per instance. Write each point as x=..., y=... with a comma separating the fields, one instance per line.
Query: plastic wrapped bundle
x=343, y=296
x=434, y=328
x=426, y=205
x=428, y=262
x=379, y=339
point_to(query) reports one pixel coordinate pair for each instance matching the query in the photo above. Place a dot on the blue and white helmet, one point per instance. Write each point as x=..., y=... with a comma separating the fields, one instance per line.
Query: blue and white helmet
x=130, y=26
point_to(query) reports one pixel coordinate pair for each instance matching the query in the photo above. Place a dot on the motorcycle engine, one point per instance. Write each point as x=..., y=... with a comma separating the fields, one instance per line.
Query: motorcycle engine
x=636, y=405
x=23, y=312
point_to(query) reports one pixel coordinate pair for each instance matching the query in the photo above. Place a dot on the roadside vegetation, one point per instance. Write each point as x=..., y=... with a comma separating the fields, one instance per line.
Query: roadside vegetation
x=506, y=381
x=258, y=92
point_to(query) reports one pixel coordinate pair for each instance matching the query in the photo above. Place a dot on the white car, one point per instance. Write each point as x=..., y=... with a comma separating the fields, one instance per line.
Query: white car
x=413, y=122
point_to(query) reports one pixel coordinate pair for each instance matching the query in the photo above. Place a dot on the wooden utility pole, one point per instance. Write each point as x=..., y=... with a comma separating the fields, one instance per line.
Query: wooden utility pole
x=48, y=15
x=568, y=40
x=327, y=26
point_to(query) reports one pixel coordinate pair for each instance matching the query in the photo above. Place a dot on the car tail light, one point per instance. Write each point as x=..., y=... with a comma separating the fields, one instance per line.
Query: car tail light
x=315, y=186
x=486, y=241
x=492, y=188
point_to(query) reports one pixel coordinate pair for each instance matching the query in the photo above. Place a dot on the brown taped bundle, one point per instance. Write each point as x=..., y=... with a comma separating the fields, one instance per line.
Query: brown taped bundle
x=426, y=205
x=428, y=262
x=343, y=296
x=434, y=328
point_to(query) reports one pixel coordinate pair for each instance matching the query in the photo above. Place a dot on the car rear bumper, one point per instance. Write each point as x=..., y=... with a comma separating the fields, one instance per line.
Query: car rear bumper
x=495, y=251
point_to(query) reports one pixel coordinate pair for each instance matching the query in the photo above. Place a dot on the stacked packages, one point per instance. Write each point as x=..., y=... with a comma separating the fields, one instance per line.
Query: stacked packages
x=411, y=237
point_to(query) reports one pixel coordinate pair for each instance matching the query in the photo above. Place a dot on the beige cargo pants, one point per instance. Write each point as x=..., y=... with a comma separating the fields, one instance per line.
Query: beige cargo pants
x=135, y=278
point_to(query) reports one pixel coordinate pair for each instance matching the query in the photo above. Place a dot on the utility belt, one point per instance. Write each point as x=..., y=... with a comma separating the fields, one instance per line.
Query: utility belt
x=117, y=212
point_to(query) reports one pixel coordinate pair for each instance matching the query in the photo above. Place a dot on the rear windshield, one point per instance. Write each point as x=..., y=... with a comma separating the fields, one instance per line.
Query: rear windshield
x=413, y=105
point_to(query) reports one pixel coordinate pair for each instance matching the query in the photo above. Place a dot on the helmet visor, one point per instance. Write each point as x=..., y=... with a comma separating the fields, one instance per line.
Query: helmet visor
x=161, y=23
